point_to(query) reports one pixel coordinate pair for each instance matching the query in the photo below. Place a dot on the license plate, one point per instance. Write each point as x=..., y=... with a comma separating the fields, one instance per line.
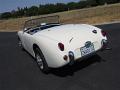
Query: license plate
x=87, y=50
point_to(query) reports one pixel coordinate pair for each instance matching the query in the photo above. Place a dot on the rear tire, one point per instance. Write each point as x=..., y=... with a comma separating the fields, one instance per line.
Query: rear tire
x=40, y=59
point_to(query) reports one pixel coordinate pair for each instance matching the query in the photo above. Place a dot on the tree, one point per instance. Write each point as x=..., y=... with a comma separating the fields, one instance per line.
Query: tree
x=82, y=4
x=61, y=7
x=25, y=11
x=20, y=12
x=112, y=1
x=5, y=15
x=32, y=11
x=92, y=3
x=71, y=5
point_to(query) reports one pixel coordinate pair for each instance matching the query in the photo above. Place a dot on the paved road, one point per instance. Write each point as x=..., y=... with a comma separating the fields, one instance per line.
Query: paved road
x=18, y=70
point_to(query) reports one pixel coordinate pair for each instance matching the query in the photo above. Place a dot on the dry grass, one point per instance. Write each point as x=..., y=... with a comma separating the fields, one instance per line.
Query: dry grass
x=94, y=15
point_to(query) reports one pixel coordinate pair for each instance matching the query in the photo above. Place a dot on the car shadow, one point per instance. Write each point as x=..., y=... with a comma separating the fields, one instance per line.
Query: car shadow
x=70, y=70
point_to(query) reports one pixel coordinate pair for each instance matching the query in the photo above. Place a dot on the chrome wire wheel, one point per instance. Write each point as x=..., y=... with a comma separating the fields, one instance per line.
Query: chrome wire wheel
x=39, y=61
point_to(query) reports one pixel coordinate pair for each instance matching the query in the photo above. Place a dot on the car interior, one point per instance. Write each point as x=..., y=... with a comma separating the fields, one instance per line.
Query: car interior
x=41, y=27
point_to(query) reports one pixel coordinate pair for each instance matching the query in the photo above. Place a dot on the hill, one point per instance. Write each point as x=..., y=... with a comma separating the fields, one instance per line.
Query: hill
x=99, y=14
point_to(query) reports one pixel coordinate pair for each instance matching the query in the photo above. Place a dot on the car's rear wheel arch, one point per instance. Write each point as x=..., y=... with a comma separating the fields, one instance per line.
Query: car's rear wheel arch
x=36, y=49
x=35, y=46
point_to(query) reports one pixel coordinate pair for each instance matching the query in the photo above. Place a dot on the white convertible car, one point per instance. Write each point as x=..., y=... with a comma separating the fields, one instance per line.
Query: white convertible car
x=54, y=45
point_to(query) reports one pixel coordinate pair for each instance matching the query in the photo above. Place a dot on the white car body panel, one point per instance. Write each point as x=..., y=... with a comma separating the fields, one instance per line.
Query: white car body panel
x=73, y=36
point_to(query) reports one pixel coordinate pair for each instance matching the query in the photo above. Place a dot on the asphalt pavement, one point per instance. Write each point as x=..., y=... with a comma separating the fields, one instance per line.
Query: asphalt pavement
x=19, y=71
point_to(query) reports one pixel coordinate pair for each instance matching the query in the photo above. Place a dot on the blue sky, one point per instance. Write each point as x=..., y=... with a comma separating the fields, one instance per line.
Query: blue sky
x=8, y=5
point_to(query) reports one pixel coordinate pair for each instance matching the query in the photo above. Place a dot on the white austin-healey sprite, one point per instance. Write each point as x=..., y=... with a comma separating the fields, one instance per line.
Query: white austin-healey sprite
x=54, y=45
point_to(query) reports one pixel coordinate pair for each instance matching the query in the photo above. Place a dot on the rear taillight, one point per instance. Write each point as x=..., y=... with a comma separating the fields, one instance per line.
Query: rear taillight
x=103, y=33
x=61, y=46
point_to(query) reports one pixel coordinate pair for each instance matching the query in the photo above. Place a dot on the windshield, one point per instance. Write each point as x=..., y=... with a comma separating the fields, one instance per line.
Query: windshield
x=49, y=21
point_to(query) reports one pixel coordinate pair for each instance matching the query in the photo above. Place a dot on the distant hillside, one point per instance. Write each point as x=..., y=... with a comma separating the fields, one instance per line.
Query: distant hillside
x=43, y=9
x=99, y=14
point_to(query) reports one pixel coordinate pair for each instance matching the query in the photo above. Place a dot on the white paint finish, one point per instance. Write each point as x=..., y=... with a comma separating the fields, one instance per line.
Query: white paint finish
x=73, y=36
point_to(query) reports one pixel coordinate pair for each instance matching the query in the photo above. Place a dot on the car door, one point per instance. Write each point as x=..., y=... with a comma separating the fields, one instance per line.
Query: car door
x=27, y=42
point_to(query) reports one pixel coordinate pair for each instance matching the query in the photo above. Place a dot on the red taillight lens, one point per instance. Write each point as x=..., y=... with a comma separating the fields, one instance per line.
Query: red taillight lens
x=61, y=46
x=103, y=33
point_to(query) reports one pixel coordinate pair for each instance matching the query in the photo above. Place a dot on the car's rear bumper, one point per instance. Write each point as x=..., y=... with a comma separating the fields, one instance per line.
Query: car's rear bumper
x=73, y=56
x=104, y=45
